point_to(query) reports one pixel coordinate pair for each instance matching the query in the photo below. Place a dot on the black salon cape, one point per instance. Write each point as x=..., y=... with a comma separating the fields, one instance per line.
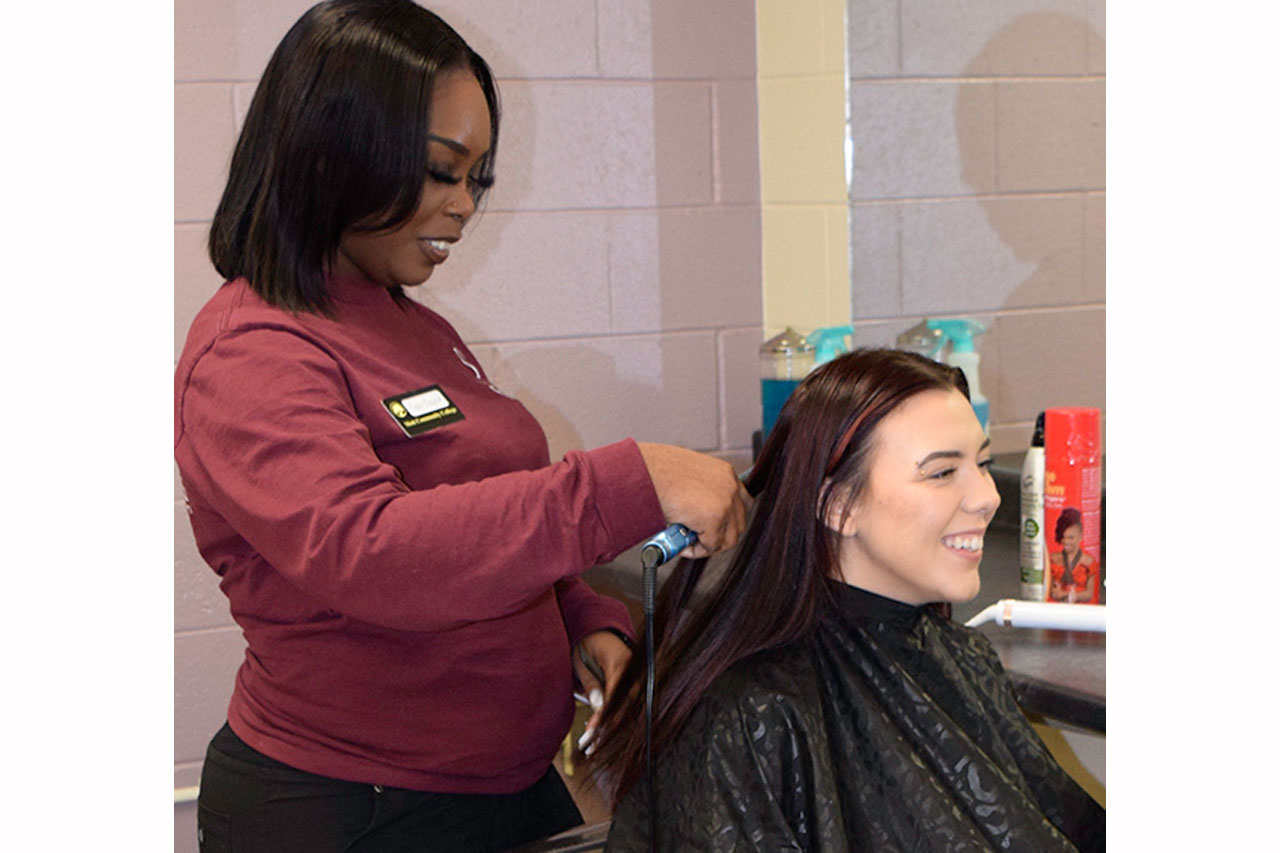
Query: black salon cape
x=891, y=728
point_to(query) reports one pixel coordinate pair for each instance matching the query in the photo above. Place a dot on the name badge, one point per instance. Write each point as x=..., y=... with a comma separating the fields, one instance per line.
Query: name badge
x=422, y=410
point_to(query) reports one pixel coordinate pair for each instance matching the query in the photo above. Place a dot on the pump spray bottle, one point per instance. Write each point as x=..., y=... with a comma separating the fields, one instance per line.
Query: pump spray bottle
x=922, y=339
x=1031, y=547
x=828, y=342
x=784, y=360
x=960, y=331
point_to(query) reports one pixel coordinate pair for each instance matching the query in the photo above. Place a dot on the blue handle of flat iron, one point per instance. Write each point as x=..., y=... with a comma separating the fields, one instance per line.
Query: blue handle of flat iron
x=664, y=546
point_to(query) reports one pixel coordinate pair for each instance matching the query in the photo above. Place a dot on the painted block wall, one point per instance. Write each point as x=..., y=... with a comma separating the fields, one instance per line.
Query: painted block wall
x=979, y=189
x=612, y=282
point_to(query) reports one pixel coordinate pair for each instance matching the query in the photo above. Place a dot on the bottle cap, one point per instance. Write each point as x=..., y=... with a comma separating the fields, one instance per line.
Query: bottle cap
x=787, y=342
x=1037, y=437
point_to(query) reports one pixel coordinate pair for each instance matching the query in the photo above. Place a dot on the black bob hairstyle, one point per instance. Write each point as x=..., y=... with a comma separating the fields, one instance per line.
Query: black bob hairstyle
x=336, y=138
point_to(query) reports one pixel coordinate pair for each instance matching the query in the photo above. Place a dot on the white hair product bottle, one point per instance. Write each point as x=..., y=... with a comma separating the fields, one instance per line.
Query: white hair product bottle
x=1031, y=553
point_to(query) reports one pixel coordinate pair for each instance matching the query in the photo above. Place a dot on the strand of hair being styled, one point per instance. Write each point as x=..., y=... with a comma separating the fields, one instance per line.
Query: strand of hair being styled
x=773, y=590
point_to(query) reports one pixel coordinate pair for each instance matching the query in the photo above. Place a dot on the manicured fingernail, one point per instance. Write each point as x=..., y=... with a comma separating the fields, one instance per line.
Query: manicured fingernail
x=586, y=738
x=597, y=699
x=589, y=750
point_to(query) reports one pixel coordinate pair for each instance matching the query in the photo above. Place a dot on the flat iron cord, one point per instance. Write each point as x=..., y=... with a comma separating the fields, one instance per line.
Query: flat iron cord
x=650, y=586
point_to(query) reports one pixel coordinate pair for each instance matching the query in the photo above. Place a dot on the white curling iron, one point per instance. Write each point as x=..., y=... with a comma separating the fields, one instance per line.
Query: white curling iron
x=1044, y=614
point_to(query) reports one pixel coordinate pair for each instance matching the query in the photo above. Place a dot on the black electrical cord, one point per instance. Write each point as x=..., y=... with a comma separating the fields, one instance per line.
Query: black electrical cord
x=656, y=551
x=650, y=562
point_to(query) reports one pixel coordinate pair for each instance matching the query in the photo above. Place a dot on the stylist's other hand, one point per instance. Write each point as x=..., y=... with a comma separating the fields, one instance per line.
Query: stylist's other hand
x=600, y=653
x=699, y=491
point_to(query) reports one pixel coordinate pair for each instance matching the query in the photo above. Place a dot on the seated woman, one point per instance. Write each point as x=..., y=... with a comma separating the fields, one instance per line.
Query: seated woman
x=817, y=697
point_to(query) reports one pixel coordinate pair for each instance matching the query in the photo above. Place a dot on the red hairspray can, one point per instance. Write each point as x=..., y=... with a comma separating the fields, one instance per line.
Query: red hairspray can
x=1073, y=504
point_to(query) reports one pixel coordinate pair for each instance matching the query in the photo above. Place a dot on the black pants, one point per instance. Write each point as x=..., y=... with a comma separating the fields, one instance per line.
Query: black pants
x=250, y=803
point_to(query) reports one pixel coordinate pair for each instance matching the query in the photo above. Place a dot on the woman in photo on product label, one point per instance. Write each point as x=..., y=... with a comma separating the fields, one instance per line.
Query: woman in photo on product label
x=397, y=547
x=1074, y=572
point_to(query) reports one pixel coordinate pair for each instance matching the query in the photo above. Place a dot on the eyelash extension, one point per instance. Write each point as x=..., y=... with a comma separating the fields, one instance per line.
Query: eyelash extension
x=476, y=183
x=442, y=176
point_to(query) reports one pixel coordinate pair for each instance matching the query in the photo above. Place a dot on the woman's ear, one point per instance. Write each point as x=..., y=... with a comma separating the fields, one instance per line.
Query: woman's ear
x=838, y=512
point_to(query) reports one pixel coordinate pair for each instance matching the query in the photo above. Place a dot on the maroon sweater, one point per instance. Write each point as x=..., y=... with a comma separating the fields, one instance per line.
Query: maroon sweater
x=403, y=565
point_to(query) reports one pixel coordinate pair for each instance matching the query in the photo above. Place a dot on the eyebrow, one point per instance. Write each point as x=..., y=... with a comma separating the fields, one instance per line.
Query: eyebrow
x=450, y=144
x=949, y=454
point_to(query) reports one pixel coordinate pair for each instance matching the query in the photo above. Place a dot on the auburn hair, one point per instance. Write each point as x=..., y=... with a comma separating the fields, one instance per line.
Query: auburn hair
x=773, y=590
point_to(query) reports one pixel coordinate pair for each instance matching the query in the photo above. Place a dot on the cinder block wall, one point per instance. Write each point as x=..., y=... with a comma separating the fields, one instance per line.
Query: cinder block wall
x=612, y=283
x=979, y=189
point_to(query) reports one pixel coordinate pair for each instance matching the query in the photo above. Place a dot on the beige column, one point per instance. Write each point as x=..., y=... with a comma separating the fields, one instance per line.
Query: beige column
x=804, y=164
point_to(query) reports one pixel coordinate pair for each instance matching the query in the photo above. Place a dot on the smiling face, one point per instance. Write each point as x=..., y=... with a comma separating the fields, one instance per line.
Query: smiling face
x=915, y=533
x=1071, y=539
x=407, y=254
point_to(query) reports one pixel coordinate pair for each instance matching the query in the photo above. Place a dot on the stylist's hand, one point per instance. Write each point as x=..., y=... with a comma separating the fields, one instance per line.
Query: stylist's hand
x=606, y=654
x=700, y=492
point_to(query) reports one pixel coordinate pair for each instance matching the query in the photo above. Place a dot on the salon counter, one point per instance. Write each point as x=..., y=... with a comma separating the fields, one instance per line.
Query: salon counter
x=1061, y=675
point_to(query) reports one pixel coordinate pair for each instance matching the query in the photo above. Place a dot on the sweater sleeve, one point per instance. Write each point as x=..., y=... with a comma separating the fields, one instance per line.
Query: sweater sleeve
x=284, y=459
x=584, y=610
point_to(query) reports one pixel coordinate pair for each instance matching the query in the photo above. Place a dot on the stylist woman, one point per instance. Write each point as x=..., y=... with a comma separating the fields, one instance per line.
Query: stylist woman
x=396, y=545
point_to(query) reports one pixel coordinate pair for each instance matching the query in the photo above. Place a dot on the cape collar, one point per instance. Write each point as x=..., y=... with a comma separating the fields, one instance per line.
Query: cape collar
x=861, y=607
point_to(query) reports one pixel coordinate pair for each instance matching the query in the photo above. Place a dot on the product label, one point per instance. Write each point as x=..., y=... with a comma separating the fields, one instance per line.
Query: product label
x=1031, y=547
x=1052, y=488
x=1031, y=556
x=1072, y=532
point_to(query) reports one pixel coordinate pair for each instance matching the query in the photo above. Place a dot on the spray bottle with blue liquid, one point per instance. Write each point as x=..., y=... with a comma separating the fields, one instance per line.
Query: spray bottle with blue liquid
x=787, y=358
x=960, y=332
x=829, y=342
x=784, y=360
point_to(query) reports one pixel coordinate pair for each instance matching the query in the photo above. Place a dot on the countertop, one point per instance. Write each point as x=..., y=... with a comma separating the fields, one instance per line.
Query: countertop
x=1061, y=675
